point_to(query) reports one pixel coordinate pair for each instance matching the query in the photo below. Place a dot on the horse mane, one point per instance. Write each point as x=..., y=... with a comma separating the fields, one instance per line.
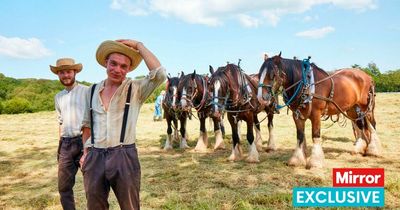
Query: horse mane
x=221, y=73
x=186, y=79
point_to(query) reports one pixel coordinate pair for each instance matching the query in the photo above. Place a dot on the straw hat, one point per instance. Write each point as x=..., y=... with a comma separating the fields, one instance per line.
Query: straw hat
x=66, y=63
x=108, y=47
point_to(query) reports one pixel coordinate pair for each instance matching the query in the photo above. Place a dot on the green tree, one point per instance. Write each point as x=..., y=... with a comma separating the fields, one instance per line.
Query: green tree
x=16, y=106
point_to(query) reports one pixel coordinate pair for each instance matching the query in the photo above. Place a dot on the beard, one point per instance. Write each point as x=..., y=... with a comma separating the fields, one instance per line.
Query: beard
x=67, y=82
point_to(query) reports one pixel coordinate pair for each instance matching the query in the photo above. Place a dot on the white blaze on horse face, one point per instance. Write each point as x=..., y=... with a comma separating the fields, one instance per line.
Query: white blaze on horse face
x=175, y=90
x=183, y=99
x=260, y=88
x=217, y=86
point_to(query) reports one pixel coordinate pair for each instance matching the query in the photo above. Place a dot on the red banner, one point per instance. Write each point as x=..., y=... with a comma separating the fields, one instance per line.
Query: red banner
x=358, y=177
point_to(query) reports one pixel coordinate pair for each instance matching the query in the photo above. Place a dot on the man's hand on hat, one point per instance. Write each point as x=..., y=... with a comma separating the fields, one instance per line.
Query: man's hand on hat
x=130, y=43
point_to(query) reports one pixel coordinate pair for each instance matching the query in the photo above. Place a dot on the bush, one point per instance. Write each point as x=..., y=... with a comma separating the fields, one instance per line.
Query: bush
x=16, y=106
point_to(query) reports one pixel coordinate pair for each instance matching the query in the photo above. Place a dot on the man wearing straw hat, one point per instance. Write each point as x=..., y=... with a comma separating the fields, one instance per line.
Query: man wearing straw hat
x=110, y=157
x=69, y=104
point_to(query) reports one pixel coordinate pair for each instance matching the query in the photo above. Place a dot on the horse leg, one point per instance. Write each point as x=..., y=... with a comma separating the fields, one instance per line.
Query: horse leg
x=317, y=157
x=176, y=132
x=374, y=146
x=219, y=140
x=257, y=128
x=271, y=140
x=221, y=125
x=299, y=157
x=183, y=143
x=202, y=142
x=360, y=145
x=168, y=142
x=253, y=153
x=236, y=150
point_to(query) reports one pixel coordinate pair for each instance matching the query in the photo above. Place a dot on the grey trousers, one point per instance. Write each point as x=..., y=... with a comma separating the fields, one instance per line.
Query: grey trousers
x=69, y=153
x=116, y=167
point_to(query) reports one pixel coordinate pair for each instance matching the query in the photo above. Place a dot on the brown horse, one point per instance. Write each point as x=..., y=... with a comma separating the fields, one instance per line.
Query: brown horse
x=172, y=114
x=311, y=93
x=234, y=92
x=193, y=89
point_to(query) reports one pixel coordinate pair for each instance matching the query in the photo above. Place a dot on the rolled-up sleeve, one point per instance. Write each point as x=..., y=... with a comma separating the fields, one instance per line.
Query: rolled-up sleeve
x=58, y=111
x=147, y=85
x=86, y=115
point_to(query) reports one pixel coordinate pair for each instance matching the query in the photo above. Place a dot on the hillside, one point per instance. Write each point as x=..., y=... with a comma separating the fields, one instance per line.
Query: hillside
x=34, y=95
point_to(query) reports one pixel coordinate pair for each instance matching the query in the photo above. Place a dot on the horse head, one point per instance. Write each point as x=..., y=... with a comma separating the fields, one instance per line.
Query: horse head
x=192, y=89
x=271, y=77
x=171, y=96
x=223, y=89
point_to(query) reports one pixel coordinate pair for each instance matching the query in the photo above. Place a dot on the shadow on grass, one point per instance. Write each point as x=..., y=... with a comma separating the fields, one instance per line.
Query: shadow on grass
x=337, y=139
x=24, y=184
x=208, y=181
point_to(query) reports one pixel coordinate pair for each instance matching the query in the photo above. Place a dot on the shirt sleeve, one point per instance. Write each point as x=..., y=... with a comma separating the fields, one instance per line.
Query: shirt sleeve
x=86, y=115
x=147, y=85
x=58, y=111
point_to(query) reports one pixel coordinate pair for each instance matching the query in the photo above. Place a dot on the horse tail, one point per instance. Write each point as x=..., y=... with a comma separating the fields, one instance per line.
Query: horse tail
x=371, y=104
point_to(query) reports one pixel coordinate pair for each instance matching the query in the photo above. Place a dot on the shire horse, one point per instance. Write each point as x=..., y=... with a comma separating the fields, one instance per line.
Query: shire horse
x=172, y=114
x=234, y=92
x=311, y=93
x=194, y=93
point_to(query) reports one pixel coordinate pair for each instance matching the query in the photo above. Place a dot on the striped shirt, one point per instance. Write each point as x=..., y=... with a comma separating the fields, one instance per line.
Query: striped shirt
x=70, y=109
x=107, y=124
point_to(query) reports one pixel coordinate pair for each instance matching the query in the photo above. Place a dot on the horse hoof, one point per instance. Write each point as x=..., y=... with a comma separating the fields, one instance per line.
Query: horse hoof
x=166, y=148
x=233, y=158
x=313, y=164
x=372, y=152
x=200, y=149
x=219, y=147
x=252, y=160
x=184, y=147
x=297, y=159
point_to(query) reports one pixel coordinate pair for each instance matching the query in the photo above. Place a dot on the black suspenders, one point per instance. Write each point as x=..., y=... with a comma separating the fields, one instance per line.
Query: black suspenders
x=126, y=110
x=91, y=116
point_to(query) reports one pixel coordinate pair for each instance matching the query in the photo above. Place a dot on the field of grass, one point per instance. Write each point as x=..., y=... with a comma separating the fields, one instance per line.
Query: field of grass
x=181, y=179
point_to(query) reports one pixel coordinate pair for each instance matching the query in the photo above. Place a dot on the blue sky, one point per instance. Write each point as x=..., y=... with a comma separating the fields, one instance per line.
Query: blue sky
x=192, y=34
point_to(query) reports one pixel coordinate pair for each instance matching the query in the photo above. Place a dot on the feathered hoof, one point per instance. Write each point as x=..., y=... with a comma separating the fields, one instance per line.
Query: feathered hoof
x=314, y=163
x=373, y=151
x=167, y=147
x=220, y=146
x=252, y=160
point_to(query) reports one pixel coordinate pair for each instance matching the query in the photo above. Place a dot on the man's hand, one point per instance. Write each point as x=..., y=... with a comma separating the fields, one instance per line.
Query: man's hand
x=82, y=160
x=130, y=43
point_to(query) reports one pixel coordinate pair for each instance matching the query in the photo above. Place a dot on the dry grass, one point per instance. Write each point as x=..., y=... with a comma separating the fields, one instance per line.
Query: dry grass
x=186, y=180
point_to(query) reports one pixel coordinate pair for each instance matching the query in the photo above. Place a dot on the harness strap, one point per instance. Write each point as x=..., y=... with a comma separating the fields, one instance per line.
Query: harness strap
x=91, y=115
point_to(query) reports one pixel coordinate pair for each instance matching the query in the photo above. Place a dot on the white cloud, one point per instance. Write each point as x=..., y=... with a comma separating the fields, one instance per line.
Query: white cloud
x=248, y=21
x=316, y=33
x=138, y=8
x=16, y=47
x=216, y=12
x=310, y=18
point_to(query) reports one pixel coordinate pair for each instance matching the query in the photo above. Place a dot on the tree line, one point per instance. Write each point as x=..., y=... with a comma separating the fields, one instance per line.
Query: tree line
x=33, y=95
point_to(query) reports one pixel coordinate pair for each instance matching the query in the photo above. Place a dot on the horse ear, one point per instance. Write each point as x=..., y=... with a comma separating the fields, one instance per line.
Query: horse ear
x=211, y=70
x=265, y=56
x=280, y=53
x=182, y=74
x=194, y=74
x=169, y=77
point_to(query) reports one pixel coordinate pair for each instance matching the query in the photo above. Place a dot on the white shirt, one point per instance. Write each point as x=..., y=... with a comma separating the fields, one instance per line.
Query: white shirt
x=107, y=124
x=70, y=107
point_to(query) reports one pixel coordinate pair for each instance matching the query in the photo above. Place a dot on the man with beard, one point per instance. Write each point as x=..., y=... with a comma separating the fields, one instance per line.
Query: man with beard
x=70, y=104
